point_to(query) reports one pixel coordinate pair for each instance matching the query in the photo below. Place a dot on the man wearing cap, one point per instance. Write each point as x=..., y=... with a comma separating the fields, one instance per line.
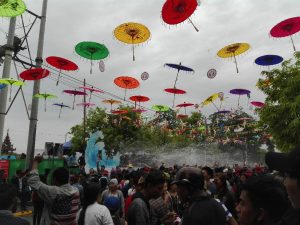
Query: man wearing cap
x=200, y=208
x=290, y=165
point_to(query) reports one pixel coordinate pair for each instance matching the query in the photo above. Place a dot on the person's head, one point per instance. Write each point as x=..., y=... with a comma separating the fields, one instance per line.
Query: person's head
x=154, y=184
x=243, y=178
x=173, y=188
x=290, y=165
x=19, y=173
x=8, y=196
x=220, y=182
x=113, y=203
x=207, y=173
x=60, y=176
x=189, y=180
x=263, y=200
x=91, y=171
x=113, y=184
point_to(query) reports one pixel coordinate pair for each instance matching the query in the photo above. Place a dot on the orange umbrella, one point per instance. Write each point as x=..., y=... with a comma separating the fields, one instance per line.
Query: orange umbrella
x=111, y=102
x=126, y=83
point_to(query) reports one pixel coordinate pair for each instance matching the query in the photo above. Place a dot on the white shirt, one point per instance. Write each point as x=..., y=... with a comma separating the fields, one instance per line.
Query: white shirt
x=96, y=214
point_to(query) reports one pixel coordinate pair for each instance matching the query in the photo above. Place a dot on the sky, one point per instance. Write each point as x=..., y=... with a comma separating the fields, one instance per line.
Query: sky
x=220, y=23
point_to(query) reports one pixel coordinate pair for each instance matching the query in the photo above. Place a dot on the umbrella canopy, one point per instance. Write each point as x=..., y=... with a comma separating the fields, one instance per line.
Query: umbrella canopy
x=175, y=91
x=240, y=92
x=86, y=104
x=160, y=108
x=91, y=90
x=139, y=110
x=185, y=104
x=257, y=104
x=11, y=82
x=61, y=105
x=268, y=60
x=139, y=98
x=45, y=96
x=74, y=93
x=126, y=83
x=2, y=86
x=182, y=116
x=111, y=102
x=12, y=8
x=34, y=74
x=119, y=112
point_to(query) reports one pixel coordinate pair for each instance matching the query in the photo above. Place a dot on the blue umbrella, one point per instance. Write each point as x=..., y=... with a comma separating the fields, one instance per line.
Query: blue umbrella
x=61, y=105
x=179, y=67
x=2, y=86
x=268, y=60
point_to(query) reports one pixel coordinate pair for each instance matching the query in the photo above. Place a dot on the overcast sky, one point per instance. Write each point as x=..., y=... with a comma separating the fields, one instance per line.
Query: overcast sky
x=220, y=22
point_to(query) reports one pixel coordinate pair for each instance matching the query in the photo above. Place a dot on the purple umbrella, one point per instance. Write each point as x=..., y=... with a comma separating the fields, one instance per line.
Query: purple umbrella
x=240, y=92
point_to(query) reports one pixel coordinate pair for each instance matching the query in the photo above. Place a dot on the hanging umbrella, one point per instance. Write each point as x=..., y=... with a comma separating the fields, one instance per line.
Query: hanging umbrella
x=184, y=105
x=92, y=51
x=144, y=76
x=34, y=74
x=179, y=68
x=111, y=102
x=61, y=64
x=45, y=96
x=132, y=33
x=126, y=83
x=257, y=104
x=101, y=66
x=86, y=104
x=175, y=91
x=182, y=116
x=12, y=8
x=91, y=90
x=74, y=93
x=240, y=92
x=11, y=82
x=211, y=99
x=233, y=50
x=286, y=28
x=177, y=11
x=268, y=60
x=2, y=86
x=139, y=99
x=119, y=112
x=160, y=108
x=139, y=110
x=61, y=105
x=223, y=111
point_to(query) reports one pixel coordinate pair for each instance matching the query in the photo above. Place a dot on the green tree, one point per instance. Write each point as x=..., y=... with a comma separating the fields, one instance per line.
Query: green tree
x=282, y=110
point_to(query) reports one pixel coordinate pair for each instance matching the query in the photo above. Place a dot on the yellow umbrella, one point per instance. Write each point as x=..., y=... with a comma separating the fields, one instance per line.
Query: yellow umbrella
x=132, y=33
x=11, y=82
x=211, y=99
x=233, y=50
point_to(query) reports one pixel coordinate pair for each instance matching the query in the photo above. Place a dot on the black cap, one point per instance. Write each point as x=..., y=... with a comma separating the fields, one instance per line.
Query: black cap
x=284, y=162
x=189, y=176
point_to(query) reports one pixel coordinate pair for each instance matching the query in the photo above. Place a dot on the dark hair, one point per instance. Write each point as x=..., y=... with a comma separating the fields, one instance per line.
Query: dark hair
x=8, y=193
x=61, y=176
x=19, y=172
x=267, y=193
x=209, y=170
x=155, y=177
x=91, y=192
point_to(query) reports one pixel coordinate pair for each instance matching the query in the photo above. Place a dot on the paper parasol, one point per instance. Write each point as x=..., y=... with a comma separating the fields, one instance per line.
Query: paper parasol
x=132, y=33
x=61, y=64
x=11, y=8
x=34, y=74
x=268, y=60
x=61, y=105
x=101, y=66
x=184, y=105
x=74, y=93
x=179, y=68
x=257, y=104
x=92, y=51
x=160, y=108
x=111, y=102
x=139, y=99
x=119, y=112
x=11, y=82
x=211, y=99
x=86, y=104
x=139, y=110
x=45, y=96
x=91, y=90
x=233, y=50
x=2, y=86
x=286, y=28
x=177, y=11
x=175, y=91
x=182, y=116
x=126, y=83
x=240, y=92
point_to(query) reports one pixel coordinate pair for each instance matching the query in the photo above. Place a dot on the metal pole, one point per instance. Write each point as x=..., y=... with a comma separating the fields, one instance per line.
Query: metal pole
x=6, y=73
x=84, y=115
x=36, y=89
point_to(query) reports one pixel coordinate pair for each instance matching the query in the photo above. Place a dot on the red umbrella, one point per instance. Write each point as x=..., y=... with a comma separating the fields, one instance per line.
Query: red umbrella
x=177, y=11
x=34, y=74
x=91, y=90
x=258, y=104
x=182, y=116
x=139, y=110
x=286, y=28
x=175, y=91
x=126, y=83
x=61, y=64
x=185, y=104
x=86, y=104
x=139, y=98
x=119, y=112
x=74, y=93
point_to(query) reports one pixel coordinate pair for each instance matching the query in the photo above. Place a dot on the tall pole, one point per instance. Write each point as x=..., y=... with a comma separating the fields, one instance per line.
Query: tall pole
x=36, y=89
x=84, y=117
x=5, y=74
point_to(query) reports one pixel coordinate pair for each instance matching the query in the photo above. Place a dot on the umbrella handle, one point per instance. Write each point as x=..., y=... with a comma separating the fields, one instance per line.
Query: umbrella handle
x=90, y=97
x=193, y=24
x=59, y=112
x=58, y=77
x=45, y=105
x=73, y=102
x=173, y=101
x=10, y=93
x=293, y=43
x=133, y=57
x=237, y=69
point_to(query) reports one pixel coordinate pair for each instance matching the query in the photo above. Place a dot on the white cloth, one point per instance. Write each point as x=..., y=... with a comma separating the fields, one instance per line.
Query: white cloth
x=96, y=214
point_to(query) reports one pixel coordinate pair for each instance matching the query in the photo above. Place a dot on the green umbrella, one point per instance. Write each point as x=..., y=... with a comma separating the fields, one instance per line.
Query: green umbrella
x=160, y=108
x=11, y=8
x=92, y=51
x=11, y=82
x=45, y=96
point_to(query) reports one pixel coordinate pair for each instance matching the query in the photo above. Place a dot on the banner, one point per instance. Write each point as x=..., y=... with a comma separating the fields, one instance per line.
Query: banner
x=4, y=166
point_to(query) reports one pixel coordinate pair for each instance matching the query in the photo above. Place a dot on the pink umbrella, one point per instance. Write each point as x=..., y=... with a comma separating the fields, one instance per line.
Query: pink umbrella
x=258, y=104
x=74, y=93
x=91, y=90
x=86, y=104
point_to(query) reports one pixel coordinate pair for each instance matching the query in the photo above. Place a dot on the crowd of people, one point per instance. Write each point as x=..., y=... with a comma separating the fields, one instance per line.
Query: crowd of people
x=187, y=195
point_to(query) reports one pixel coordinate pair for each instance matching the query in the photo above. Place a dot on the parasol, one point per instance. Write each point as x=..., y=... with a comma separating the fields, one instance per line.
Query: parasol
x=160, y=108
x=61, y=105
x=74, y=93
x=2, y=86
x=119, y=112
x=139, y=110
x=240, y=92
x=92, y=51
x=233, y=50
x=175, y=91
x=11, y=82
x=45, y=96
x=177, y=11
x=223, y=111
x=126, y=83
x=139, y=99
x=211, y=99
x=286, y=28
x=182, y=116
x=268, y=60
x=91, y=90
x=34, y=74
x=144, y=76
x=132, y=33
x=61, y=64
x=86, y=104
x=111, y=102
x=11, y=8
x=101, y=66
x=257, y=104
x=185, y=104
